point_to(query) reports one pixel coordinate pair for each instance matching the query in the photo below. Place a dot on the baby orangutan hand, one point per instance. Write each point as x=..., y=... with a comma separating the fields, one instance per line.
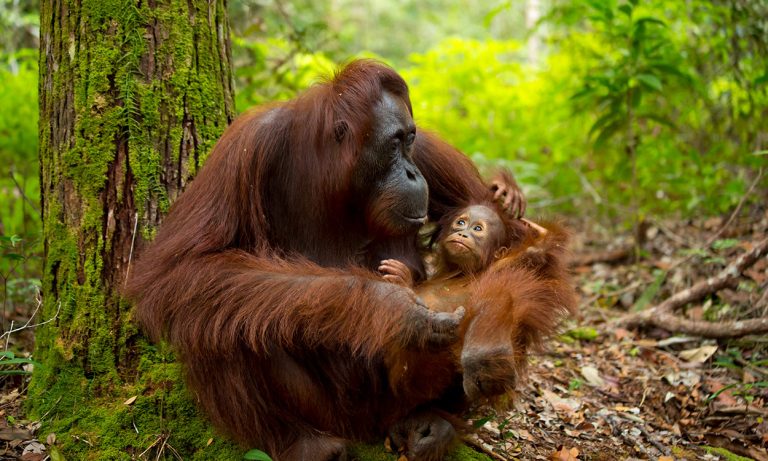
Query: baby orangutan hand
x=396, y=272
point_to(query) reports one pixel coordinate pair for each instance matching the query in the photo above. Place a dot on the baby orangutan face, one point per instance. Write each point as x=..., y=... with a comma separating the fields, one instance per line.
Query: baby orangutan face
x=475, y=235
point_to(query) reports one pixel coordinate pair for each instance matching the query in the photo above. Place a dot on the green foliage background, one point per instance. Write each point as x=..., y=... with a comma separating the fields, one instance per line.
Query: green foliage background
x=611, y=109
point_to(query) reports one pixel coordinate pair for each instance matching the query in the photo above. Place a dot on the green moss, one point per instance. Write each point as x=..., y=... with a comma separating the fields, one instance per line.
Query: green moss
x=725, y=454
x=162, y=415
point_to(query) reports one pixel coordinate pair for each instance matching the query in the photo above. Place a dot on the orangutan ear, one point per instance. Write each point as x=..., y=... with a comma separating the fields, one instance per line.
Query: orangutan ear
x=340, y=129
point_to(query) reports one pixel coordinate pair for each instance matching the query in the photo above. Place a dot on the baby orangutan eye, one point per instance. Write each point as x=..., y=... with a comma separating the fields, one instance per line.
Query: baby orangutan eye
x=460, y=222
x=478, y=228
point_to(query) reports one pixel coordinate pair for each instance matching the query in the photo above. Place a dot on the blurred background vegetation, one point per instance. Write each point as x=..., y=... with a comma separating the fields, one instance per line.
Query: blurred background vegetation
x=617, y=111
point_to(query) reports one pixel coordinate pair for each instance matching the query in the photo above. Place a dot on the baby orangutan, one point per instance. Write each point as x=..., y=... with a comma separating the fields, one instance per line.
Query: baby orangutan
x=511, y=277
x=471, y=244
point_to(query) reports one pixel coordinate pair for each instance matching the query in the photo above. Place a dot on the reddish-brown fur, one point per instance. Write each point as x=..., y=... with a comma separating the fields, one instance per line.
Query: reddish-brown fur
x=250, y=276
x=516, y=301
x=261, y=279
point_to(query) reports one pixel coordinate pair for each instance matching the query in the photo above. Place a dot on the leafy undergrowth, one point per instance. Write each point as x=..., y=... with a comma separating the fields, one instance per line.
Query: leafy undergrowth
x=600, y=392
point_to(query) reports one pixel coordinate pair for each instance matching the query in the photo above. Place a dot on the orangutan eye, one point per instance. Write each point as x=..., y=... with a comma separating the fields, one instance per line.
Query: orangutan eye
x=410, y=138
x=478, y=228
x=460, y=222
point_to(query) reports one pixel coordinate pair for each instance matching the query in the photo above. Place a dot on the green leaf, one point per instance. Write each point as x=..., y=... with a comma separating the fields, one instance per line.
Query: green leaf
x=583, y=333
x=720, y=391
x=582, y=93
x=601, y=122
x=18, y=361
x=661, y=120
x=626, y=9
x=650, y=81
x=256, y=455
x=608, y=131
x=647, y=296
x=724, y=244
x=650, y=20
x=495, y=12
x=481, y=422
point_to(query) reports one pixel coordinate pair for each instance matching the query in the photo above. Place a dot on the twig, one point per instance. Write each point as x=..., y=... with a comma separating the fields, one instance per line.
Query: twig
x=742, y=410
x=588, y=186
x=610, y=256
x=725, y=226
x=736, y=210
x=133, y=240
x=660, y=315
x=483, y=447
x=746, y=364
x=23, y=194
x=8, y=338
x=619, y=292
x=42, y=418
x=662, y=449
x=27, y=325
x=80, y=439
x=157, y=440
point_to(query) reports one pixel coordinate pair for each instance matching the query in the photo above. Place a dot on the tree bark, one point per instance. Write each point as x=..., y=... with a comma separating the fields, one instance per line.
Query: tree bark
x=133, y=94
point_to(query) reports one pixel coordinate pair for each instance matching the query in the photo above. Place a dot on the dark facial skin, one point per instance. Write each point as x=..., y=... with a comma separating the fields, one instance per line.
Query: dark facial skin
x=475, y=234
x=397, y=202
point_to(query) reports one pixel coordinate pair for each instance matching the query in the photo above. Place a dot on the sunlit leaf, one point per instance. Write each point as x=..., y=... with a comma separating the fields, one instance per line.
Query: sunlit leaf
x=256, y=455
x=724, y=244
x=650, y=20
x=650, y=81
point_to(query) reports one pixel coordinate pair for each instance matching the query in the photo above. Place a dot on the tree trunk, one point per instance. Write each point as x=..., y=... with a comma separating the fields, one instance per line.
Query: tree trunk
x=133, y=94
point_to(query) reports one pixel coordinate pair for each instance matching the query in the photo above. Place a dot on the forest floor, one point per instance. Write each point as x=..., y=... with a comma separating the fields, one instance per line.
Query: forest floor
x=601, y=392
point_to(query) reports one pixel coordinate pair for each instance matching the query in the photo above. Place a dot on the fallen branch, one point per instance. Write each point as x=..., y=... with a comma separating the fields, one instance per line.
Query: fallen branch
x=662, y=315
x=608, y=257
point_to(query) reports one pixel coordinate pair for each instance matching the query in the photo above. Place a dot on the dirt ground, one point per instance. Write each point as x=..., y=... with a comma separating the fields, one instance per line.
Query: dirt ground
x=602, y=392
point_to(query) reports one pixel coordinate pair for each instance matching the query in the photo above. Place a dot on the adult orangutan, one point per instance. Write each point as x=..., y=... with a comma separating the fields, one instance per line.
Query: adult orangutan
x=260, y=276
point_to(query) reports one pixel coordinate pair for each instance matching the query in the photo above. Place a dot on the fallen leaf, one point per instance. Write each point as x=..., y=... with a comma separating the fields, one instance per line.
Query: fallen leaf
x=688, y=378
x=559, y=404
x=592, y=375
x=33, y=447
x=9, y=397
x=33, y=457
x=210, y=441
x=565, y=454
x=130, y=401
x=645, y=343
x=666, y=458
x=698, y=355
x=51, y=439
x=12, y=433
x=620, y=333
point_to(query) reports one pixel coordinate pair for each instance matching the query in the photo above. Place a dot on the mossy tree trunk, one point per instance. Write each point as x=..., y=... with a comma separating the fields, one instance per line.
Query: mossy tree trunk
x=133, y=94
